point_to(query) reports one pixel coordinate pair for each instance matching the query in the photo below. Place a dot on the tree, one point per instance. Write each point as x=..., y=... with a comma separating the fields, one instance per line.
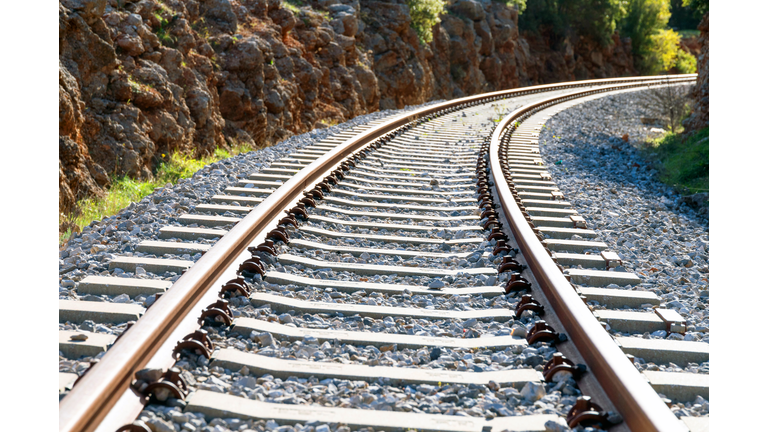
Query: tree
x=570, y=18
x=683, y=18
x=655, y=47
x=644, y=19
x=700, y=6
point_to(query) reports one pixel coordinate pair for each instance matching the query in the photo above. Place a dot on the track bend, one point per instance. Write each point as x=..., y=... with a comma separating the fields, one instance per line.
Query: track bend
x=385, y=288
x=587, y=286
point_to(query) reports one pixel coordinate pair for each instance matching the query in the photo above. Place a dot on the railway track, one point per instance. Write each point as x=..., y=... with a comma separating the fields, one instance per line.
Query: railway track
x=427, y=266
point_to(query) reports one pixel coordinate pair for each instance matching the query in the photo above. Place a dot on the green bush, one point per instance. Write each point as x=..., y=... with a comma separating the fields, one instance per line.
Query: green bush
x=519, y=3
x=655, y=47
x=424, y=15
x=685, y=62
x=664, y=53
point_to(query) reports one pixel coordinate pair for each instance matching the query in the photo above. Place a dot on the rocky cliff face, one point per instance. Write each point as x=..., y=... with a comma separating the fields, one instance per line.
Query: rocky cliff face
x=140, y=79
x=699, y=118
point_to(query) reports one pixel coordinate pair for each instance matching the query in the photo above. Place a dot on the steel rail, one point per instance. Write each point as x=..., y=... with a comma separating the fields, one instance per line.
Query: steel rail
x=640, y=406
x=106, y=382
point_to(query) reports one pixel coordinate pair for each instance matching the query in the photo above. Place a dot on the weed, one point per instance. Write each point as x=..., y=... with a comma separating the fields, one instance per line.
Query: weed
x=498, y=113
x=682, y=164
x=126, y=190
x=329, y=122
x=163, y=32
x=138, y=87
x=201, y=28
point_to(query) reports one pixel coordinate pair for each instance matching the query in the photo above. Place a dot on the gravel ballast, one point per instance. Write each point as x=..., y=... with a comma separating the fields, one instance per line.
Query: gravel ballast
x=644, y=221
x=657, y=235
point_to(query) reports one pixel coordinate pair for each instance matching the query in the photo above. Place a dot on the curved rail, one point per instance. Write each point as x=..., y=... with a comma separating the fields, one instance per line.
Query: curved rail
x=639, y=404
x=92, y=399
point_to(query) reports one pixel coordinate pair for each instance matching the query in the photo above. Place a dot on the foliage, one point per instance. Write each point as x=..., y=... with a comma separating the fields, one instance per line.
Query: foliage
x=683, y=164
x=656, y=48
x=520, y=4
x=664, y=49
x=569, y=18
x=163, y=30
x=424, y=15
x=664, y=53
x=127, y=190
x=700, y=6
x=644, y=19
x=683, y=17
x=685, y=62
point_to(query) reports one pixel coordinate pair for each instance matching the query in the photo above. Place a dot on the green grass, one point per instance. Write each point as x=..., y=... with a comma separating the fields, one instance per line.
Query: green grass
x=688, y=33
x=683, y=165
x=125, y=190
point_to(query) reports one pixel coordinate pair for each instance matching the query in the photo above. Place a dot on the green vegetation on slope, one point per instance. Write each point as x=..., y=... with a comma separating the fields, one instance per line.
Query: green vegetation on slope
x=683, y=165
x=655, y=47
x=424, y=15
x=570, y=18
x=125, y=190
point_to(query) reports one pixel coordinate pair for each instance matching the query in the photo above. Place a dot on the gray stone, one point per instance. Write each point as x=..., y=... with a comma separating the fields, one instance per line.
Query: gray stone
x=149, y=375
x=436, y=284
x=533, y=391
x=265, y=339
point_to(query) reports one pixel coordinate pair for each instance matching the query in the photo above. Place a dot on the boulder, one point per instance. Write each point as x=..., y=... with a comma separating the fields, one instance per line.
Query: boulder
x=470, y=9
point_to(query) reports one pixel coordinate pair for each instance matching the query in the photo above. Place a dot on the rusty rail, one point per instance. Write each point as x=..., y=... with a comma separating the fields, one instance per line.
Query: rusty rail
x=91, y=400
x=637, y=402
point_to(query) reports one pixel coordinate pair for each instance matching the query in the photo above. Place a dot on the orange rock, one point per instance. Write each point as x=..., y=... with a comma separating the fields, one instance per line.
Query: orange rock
x=625, y=137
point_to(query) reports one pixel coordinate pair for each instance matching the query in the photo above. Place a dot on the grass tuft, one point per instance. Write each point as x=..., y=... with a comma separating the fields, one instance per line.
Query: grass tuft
x=126, y=190
x=683, y=165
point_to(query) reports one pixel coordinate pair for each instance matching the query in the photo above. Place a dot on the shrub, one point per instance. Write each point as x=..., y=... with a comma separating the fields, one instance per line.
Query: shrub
x=424, y=15
x=519, y=3
x=655, y=47
x=669, y=103
x=664, y=50
x=685, y=62
x=665, y=53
